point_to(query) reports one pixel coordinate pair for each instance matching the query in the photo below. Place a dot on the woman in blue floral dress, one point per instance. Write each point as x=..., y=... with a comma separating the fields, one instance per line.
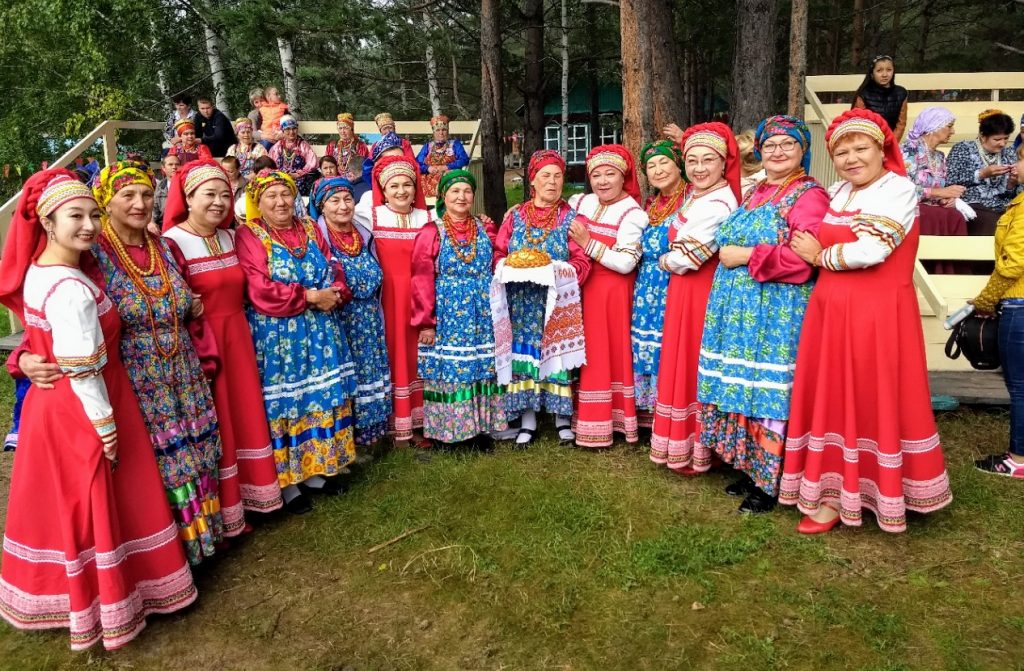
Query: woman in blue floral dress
x=306, y=368
x=754, y=316
x=451, y=278
x=662, y=163
x=155, y=302
x=333, y=206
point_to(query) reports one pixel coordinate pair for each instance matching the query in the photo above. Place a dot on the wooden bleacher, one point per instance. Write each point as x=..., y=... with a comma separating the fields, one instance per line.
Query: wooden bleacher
x=938, y=295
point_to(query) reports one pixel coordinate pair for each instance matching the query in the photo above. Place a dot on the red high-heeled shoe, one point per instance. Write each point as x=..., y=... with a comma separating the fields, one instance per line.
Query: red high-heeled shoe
x=808, y=525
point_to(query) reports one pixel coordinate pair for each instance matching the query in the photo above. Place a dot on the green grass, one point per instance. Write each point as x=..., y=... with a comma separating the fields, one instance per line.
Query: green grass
x=555, y=558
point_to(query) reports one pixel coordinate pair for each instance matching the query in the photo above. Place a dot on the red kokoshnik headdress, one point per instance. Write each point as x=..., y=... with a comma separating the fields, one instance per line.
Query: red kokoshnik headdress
x=43, y=193
x=874, y=126
x=618, y=157
x=717, y=137
x=185, y=181
x=389, y=167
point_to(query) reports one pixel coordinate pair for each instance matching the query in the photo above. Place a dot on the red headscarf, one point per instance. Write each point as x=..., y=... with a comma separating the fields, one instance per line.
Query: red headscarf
x=388, y=166
x=26, y=238
x=618, y=157
x=719, y=138
x=542, y=158
x=874, y=126
x=185, y=181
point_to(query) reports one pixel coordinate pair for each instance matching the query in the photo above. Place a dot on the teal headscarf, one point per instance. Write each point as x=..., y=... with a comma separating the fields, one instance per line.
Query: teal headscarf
x=460, y=176
x=660, y=148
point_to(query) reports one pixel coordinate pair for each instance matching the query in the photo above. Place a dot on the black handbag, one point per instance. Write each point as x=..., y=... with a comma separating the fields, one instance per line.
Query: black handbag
x=977, y=338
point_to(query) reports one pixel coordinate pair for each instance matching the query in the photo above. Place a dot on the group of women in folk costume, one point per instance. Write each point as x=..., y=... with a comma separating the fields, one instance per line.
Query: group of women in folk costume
x=762, y=336
x=776, y=332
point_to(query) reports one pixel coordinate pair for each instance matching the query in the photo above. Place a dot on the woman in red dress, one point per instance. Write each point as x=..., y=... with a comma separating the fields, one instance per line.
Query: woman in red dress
x=196, y=227
x=861, y=433
x=609, y=229
x=711, y=159
x=395, y=218
x=89, y=542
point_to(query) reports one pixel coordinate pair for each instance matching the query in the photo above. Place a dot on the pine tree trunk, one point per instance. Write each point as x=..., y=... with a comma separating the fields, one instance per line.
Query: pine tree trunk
x=857, y=40
x=797, y=57
x=753, y=62
x=668, y=100
x=491, y=105
x=637, y=105
x=220, y=85
x=433, y=90
x=897, y=19
x=926, y=25
x=291, y=83
x=533, y=86
x=564, y=132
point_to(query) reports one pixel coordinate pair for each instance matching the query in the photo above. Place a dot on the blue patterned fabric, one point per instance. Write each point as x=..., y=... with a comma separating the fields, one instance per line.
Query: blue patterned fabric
x=752, y=328
x=363, y=325
x=306, y=371
x=649, y=313
x=461, y=396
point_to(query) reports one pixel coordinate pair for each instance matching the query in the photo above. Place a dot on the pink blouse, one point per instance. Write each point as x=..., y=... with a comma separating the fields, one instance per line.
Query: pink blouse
x=779, y=263
x=269, y=296
x=424, y=270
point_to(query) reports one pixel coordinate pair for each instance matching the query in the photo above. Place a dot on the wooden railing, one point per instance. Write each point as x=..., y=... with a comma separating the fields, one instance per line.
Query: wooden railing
x=105, y=132
x=467, y=131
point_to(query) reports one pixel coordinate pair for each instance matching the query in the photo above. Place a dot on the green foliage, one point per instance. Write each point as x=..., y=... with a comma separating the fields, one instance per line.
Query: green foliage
x=66, y=66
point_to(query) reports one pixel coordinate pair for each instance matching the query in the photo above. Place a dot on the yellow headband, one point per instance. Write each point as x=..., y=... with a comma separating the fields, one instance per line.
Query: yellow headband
x=857, y=125
x=989, y=113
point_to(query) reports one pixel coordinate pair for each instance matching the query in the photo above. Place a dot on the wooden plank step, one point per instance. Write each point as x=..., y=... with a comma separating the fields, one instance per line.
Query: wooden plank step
x=980, y=387
x=9, y=343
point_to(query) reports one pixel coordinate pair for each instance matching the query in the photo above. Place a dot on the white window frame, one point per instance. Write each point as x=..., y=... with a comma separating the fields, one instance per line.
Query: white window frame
x=578, y=141
x=553, y=138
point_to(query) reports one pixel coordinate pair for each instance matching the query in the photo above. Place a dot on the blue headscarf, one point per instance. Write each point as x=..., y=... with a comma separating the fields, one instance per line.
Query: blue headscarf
x=323, y=189
x=389, y=141
x=1020, y=134
x=782, y=124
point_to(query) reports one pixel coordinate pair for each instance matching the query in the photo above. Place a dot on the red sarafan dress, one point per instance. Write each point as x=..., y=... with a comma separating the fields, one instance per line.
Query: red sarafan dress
x=606, y=399
x=86, y=547
x=692, y=260
x=395, y=234
x=861, y=429
x=247, y=471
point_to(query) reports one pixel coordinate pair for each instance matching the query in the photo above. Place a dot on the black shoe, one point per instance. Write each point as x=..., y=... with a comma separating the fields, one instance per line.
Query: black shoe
x=332, y=487
x=745, y=485
x=757, y=502
x=483, y=443
x=300, y=505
